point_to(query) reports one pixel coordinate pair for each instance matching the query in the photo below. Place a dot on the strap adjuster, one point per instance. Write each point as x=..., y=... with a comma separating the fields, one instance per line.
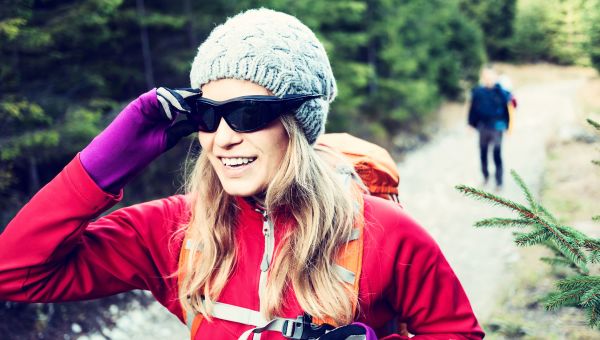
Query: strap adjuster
x=303, y=328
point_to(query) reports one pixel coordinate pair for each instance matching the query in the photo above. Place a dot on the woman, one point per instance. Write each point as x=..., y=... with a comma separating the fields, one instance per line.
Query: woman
x=254, y=246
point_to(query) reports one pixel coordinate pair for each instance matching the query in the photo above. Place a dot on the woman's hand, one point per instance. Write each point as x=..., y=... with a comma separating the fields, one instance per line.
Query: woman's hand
x=140, y=133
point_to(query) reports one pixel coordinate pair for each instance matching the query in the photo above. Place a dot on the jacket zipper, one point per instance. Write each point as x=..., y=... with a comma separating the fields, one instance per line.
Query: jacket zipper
x=267, y=258
x=268, y=233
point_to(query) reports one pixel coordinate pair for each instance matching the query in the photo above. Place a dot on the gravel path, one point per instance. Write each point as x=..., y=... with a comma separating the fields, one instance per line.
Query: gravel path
x=428, y=177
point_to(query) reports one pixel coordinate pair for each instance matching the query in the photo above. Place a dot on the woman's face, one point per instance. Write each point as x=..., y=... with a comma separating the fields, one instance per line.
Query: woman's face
x=244, y=162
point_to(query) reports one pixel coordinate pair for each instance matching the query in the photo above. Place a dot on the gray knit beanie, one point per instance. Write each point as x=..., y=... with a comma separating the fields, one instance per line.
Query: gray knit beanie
x=274, y=50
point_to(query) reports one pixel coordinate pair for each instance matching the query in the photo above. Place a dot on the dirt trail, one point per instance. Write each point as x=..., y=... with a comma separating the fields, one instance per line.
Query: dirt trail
x=428, y=176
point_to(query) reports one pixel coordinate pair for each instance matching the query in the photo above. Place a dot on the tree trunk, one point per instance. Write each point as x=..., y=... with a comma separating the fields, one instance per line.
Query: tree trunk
x=34, y=177
x=192, y=38
x=371, y=53
x=148, y=70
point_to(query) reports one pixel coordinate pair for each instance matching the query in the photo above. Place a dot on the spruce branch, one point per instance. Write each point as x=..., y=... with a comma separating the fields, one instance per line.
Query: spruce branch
x=532, y=238
x=565, y=244
x=593, y=123
x=557, y=261
x=591, y=298
x=593, y=246
x=556, y=300
x=583, y=282
x=495, y=200
x=572, y=248
x=593, y=314
x=504, y=222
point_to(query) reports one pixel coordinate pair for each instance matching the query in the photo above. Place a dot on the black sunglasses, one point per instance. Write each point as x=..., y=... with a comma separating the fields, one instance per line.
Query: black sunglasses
x=244, y=114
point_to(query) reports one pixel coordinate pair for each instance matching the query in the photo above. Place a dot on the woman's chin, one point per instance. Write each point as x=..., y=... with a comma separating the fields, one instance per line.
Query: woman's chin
x=242, y=189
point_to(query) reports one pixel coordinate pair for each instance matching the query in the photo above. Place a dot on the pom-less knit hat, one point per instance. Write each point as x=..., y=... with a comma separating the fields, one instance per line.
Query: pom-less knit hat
x=274, y=50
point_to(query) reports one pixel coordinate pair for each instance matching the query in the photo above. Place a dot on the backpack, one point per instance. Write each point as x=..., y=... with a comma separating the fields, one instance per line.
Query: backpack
x=379, y=177
x=373, y=164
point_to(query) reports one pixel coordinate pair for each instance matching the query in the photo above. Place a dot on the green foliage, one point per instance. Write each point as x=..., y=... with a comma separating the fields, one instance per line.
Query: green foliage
x=572, y=248
x=393, y=60
x=69, y=66
x=564, y=32
x=495, y=18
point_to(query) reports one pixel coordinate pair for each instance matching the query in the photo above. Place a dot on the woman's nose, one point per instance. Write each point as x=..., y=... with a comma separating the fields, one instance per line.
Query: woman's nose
x=225, y=136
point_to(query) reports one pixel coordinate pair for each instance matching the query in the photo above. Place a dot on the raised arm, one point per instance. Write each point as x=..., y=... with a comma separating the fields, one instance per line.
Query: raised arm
x=52, y=251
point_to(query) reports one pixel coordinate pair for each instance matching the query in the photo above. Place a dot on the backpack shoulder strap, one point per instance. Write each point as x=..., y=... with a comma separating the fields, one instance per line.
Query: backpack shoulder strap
x=349, y=260
x=191, y=318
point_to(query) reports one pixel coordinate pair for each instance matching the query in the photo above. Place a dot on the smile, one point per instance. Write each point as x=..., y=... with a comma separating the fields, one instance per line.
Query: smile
x=237, y=161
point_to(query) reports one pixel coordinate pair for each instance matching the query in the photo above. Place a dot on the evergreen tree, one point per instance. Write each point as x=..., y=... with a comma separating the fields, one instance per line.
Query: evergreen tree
x=593, y=45
x=558, y=31
x=496, y=19
x=571, y=248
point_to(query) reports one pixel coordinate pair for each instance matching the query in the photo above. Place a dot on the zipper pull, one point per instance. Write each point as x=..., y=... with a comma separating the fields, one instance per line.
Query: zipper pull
x=266, y=261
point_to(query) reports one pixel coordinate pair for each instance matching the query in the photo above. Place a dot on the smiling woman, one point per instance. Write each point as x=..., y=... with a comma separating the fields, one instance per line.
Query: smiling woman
x=269, y=240
x=244, y=162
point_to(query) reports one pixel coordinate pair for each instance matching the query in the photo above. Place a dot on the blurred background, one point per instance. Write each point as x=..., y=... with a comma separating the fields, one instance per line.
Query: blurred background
x=404, y=69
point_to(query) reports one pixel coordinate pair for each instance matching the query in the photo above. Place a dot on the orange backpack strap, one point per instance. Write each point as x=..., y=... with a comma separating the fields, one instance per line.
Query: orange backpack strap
x=349, y=260
x=192, y=319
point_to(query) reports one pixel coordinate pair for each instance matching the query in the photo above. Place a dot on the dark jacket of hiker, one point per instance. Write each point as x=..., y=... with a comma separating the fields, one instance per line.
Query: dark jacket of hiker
x=489, y=108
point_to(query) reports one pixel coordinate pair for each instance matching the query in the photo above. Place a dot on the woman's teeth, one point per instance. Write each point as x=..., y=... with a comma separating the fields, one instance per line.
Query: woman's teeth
x=237, y=161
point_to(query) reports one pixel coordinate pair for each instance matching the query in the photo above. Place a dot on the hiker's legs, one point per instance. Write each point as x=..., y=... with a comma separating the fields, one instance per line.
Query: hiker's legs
x=498, y=157
x=484, y=141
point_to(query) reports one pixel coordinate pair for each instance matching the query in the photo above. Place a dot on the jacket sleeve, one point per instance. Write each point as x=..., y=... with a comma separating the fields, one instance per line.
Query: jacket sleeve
x=428, y=296
x=473, y=118
x=52, y=251
x=408, y=286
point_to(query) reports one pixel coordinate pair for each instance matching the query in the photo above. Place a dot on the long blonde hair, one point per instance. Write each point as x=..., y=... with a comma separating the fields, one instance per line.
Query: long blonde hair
x=324, y=215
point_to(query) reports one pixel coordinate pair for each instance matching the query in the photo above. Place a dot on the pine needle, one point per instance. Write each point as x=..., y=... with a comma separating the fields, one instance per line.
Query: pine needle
x=533, y=238
x=593, y=314
x=547, y=214
x=591, y=298
x=556, y=300
x=495, y=200
x=593, y=246
x=497, y=222
x=525, y=190
x=582, y=282
x=556, y=261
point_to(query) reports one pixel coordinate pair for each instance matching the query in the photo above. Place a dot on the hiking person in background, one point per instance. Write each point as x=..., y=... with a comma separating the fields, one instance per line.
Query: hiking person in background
x=268, y=240
x=489, y=114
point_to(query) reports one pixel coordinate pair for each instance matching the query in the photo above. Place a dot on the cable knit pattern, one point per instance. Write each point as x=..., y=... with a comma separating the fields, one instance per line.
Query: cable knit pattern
x=276, y=51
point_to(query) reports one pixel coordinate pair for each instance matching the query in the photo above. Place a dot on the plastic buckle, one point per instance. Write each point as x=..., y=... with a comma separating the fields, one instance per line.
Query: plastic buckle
x=303, y=328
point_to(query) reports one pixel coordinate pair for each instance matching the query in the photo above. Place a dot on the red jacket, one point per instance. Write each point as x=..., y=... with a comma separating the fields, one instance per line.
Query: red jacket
x=53, y=250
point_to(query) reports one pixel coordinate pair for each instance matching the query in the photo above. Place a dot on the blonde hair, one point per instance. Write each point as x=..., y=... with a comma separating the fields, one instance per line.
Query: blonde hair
x=324, y=216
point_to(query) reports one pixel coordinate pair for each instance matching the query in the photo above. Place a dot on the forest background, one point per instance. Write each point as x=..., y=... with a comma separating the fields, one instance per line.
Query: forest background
x=68, y=67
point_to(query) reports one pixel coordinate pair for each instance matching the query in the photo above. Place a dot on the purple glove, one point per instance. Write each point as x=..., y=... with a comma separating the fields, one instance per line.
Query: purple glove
x=354, y=331
x=140, y=133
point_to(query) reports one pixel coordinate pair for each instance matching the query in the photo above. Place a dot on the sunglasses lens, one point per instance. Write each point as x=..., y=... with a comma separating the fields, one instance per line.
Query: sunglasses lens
x=250, y=116
x=206, y=117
